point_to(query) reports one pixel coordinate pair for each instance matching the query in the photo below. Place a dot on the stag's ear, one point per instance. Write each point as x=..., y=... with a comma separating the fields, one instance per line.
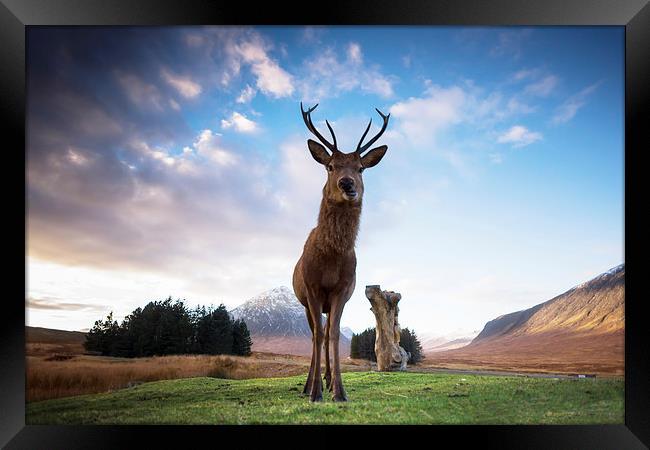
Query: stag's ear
x=373, y=157
x=318, y=152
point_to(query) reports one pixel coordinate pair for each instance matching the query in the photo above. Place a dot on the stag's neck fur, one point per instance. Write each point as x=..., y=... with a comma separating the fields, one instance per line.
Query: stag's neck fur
x=338, y=225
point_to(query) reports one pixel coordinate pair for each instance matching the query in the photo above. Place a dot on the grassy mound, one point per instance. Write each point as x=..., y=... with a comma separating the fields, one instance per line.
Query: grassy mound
x=375, y=398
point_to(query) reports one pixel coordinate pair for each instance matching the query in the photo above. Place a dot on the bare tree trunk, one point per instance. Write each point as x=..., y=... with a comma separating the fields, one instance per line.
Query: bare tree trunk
x=390, y=355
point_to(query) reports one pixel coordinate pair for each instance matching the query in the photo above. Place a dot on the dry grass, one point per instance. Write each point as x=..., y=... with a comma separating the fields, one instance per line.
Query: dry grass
x=56, y=367
x=591, y=353
x=50, y=348
x=51, y=377
x=63, y=375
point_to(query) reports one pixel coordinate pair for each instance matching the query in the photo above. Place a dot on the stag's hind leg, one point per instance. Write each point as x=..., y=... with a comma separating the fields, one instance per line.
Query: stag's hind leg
x=338, y=392
x=326, y=344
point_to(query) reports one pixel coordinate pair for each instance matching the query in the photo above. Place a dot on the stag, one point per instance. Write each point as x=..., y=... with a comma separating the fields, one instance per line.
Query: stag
x=325, y=275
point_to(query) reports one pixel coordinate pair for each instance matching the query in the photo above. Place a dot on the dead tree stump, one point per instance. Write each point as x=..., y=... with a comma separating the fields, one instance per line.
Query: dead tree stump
x=390, y=356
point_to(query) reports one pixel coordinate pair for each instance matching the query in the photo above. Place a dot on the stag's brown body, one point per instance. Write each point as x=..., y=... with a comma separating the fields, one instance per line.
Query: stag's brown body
x=325, y=275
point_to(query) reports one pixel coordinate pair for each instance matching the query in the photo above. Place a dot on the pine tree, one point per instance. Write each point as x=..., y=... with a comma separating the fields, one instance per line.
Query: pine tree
x=224, y=329
x=94, y=337
x=366, y=345
x=241, y=342
x=102, y=336
x=206, y=335
x=354, y=346
x=410, y=343
x=214, y=334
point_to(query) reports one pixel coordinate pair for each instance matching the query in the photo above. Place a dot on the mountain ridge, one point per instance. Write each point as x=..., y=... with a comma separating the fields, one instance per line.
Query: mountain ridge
x=277, y=323
x=579, y=331
x=590, y=306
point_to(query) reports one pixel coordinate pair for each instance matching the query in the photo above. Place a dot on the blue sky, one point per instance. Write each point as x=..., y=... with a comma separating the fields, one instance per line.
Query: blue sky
x=173, y=161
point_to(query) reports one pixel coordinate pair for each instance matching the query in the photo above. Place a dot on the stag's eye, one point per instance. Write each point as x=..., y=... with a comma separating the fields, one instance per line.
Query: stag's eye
x=360, y=169
x=330, y=168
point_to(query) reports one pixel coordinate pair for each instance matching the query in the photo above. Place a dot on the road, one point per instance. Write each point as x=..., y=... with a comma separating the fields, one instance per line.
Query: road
x=493, y=372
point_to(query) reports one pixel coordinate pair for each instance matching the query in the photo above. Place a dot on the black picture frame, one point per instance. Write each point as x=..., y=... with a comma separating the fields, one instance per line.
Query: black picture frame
x=634, y=15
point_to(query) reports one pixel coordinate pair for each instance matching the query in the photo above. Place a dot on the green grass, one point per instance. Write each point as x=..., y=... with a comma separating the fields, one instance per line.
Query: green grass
x=375, y=398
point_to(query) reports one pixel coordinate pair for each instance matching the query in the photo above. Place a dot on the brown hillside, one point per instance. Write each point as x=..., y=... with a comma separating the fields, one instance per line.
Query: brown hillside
x=46, y=341
x=50, y=336
x=596, y=306
x=580, y=331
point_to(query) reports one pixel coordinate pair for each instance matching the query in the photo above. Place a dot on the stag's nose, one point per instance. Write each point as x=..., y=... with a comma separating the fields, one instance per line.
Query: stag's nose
x=346, y=183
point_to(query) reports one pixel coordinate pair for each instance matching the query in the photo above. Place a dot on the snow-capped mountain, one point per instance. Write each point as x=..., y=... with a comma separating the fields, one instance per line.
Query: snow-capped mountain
x=603, y=277
x=276, y=312
x=278, y=324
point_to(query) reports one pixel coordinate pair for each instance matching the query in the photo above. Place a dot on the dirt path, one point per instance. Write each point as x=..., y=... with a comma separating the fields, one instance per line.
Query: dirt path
x=494, y=373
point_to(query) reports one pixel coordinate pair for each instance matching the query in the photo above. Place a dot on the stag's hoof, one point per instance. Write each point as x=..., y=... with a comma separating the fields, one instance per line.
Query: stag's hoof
x=340, y=398
x=316, y=398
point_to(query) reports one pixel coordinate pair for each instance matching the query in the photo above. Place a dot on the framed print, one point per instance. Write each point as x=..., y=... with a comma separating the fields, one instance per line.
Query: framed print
x=375, y=214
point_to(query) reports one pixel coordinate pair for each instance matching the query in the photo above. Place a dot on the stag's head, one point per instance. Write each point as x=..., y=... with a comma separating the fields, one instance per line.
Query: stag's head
x=344, y=170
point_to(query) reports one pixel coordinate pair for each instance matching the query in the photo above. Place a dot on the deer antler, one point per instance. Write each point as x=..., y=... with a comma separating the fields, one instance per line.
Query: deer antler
x=361, y=149
x=306, y=116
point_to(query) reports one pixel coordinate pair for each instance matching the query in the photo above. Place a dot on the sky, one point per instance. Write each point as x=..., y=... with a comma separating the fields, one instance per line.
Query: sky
x=172, y=161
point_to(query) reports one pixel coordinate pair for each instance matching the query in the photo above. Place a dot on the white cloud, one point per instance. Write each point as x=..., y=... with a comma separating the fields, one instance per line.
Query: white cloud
x=247, y=94
x=239, y=50
x=525, y=74
x=76, y=157
x=515, y=106
x=420, y=118
x=208, y=144
x=240, y=122
x=271, y=78
x=543, y=87
x=567, y=110
x=155, y=153
x=440, y=107
x=139, y=92
x=519, y=136
x=326, y=75
x=207, y=147
x=302, y=180
x=429, y=122
x=381, y=86
x=184, y=85
x=354, y=53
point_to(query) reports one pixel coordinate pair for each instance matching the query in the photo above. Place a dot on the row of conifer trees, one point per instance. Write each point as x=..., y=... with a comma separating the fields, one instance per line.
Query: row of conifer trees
x=168, y=327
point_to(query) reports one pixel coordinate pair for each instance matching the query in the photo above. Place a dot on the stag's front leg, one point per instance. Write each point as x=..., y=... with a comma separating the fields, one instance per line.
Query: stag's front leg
x=338, y=392
x=310, y=376
x=328, y=372
x=316, y=393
